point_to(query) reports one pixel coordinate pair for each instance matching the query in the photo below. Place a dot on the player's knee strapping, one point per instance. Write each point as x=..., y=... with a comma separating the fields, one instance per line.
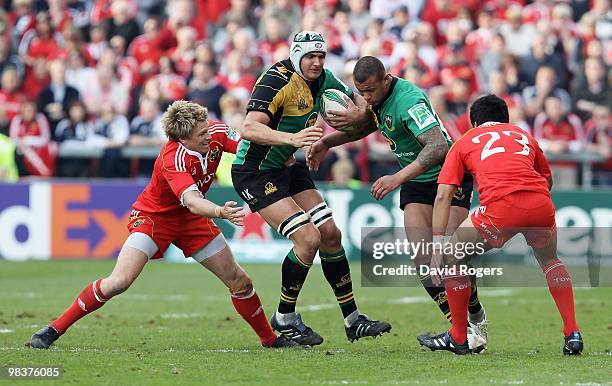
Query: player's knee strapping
x=337, y=272
x=320, y=214
x=294, y=222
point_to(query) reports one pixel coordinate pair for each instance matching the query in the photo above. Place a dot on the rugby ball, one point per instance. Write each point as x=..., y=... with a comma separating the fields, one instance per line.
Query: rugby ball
x=334, y=100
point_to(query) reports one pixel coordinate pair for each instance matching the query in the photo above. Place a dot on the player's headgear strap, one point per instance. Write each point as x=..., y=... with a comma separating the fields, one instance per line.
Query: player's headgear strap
x=303, y=43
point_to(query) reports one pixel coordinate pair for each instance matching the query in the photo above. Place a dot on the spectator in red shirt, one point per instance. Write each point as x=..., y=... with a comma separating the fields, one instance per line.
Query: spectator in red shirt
x=557, y=130
x=181, y=13
x=234, y=76
x=171, y=85
x=438, y=13
x=599, y=140
x=479, y=41
x=36, y=79
x=146, y=50
x=11, y=97
x=41, y=42
x=410, y=62
x=21, y=19
x=36, y=153
x=183, y=55
x=98, y=41
x=275, y=37
x=107, y=90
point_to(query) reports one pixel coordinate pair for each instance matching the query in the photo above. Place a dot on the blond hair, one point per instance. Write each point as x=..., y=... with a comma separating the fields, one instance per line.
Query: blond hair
x=181, y=118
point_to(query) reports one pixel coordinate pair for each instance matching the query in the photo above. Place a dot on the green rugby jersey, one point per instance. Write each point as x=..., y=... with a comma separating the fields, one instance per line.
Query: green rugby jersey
x=292, y=105
x=404, y=114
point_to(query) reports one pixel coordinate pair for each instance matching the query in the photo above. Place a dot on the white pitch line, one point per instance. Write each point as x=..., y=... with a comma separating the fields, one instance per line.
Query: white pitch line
x=148, y=297
x=5, y=331
x=318, y=307
x=501, y=292
x=181, y=316
x=409, y=300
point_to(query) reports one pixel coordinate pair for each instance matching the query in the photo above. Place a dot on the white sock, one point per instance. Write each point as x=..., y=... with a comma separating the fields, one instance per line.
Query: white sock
x=349, y=320
x=285, y=319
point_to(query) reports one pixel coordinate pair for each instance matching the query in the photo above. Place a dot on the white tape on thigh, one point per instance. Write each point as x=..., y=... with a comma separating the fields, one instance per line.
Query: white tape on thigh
x=143, y=242
x=215, y=246
x=320, y=214
x=293, y=223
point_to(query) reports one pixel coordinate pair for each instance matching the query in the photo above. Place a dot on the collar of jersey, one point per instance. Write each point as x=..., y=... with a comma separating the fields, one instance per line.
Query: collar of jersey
x=389, y=92
x=203, y=158
x=488, y=123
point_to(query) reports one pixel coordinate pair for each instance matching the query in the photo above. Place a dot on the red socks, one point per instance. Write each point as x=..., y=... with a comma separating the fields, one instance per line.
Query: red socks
x=458, y=290
x=251, y=310
x=560, y=286
x=90, y=299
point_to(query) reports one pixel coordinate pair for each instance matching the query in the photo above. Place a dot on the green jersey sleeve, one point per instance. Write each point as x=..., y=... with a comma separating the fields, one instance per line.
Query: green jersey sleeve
x=418, y=116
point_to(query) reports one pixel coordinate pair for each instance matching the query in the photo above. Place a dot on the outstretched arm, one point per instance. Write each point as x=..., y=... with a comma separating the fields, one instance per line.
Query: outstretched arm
x=255, y=128
x=200, y=206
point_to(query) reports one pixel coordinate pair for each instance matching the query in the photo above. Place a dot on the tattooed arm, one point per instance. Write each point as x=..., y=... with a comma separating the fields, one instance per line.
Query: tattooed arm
x=434, y=150
x=316, y=153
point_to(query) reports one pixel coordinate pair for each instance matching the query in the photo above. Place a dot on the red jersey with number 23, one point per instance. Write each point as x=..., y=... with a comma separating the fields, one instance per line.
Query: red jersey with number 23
x=503, y=159
x=178, y=170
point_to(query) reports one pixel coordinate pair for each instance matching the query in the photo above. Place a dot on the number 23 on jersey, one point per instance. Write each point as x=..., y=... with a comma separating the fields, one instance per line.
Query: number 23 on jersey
x=488, y=149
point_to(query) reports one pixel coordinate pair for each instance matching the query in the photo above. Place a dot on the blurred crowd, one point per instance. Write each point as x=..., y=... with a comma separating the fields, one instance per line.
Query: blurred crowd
x=94, y=76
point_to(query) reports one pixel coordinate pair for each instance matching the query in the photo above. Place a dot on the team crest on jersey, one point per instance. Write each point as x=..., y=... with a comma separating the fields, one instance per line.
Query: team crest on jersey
x=391, y=143
x=389, y=122
x=138, y=223
x=459, y=194
x=312, y=119
x=302, y=105
x=214, y=154
x=270, y=188
x=194, y=171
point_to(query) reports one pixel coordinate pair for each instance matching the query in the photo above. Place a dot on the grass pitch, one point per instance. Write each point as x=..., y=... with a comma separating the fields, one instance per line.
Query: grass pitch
x=176, y=325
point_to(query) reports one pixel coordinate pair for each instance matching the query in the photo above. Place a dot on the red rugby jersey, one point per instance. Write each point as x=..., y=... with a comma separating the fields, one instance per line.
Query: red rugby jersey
x=178, y=170
x=503, y=159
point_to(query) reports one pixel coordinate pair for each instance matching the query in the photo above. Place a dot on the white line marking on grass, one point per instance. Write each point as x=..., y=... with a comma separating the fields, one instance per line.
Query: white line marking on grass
x=181, y=316
x=5, y=331
x=423, y=299
x=496, y=292
x=409, y=300
x=24, y=295
x=318, y=307
x=149, y=297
